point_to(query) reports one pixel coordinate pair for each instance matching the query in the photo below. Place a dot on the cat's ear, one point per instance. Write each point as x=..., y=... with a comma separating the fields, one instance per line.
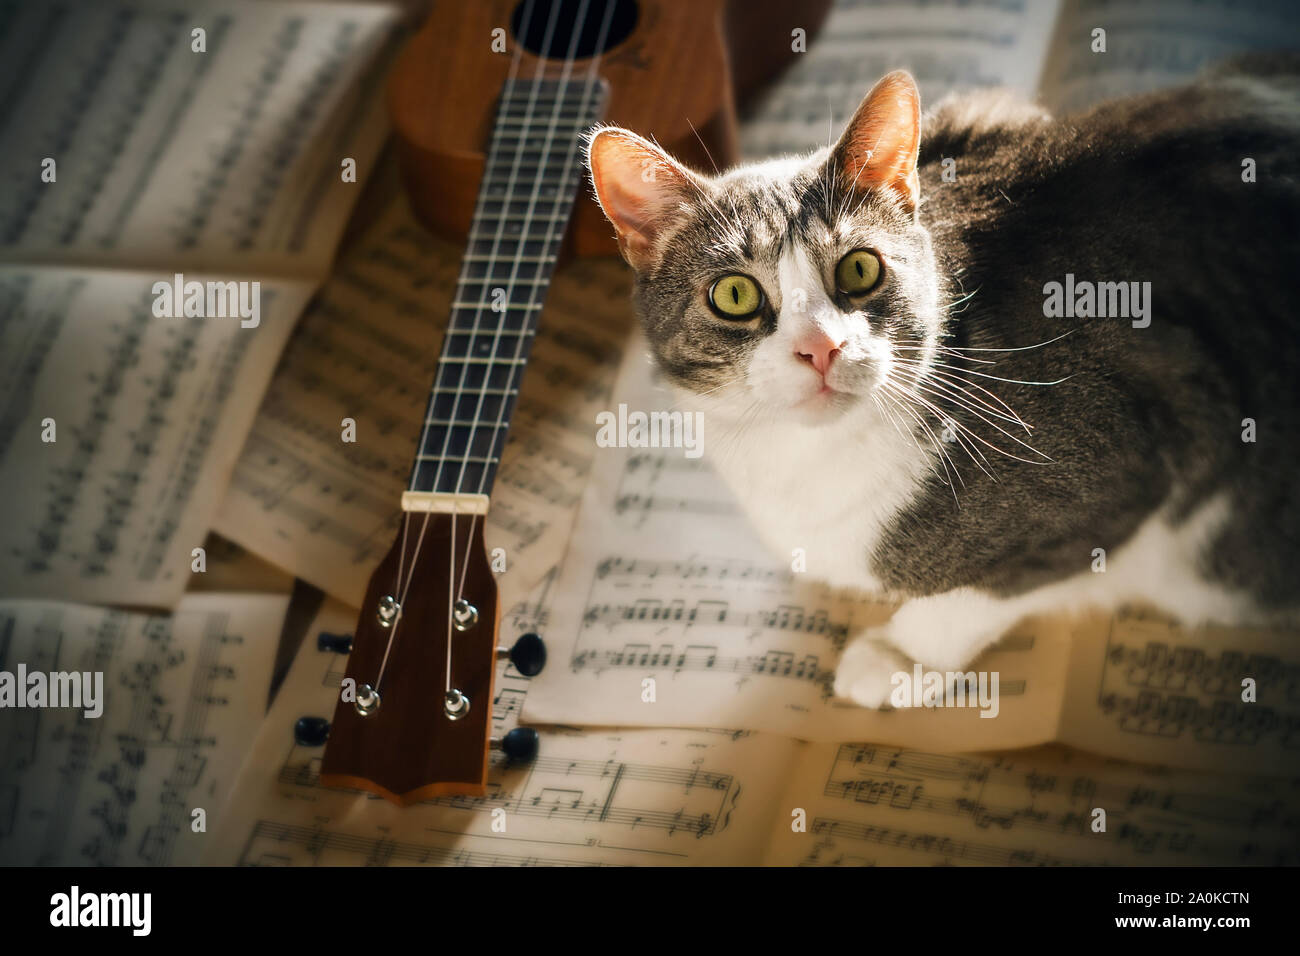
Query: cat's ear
x=878, y=149
x=640, y=188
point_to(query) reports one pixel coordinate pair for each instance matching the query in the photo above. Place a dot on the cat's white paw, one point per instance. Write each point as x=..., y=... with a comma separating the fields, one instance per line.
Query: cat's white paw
x=866, y=670
x=948, y=631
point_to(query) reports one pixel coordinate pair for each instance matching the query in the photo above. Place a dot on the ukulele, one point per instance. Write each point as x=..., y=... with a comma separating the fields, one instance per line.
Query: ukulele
x=490, y=102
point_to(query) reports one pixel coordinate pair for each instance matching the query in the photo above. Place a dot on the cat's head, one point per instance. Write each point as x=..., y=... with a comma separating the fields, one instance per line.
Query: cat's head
x=799, y=285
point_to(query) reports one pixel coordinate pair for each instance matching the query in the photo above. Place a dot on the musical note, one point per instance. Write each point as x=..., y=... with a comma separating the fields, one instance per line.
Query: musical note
x=881, y=806
x=118, y=421
x=183, y=694
x=150, y=180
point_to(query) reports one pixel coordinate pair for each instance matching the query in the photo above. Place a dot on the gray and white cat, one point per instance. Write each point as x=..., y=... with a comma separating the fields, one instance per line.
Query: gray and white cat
x=953, y=390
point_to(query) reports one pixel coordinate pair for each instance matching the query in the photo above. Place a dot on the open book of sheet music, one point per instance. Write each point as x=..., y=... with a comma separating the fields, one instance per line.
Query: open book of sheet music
x=152, y=149
x=668, y=612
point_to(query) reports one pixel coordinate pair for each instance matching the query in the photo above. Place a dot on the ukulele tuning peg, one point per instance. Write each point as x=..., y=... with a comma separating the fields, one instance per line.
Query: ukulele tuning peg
x=519, y=746
x=311, y=731
x=528, y=654
x=338, y=643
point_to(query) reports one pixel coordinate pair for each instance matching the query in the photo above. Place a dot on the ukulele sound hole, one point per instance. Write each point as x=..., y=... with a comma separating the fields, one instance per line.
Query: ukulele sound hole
x=533, y=37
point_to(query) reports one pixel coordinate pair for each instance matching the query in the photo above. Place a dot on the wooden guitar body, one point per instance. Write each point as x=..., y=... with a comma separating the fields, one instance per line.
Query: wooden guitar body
x=686, y=63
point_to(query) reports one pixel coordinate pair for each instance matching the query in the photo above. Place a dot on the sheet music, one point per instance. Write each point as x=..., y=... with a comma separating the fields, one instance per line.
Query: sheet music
x=947, y=45
x=118, y=427
x=665, y=797
x=1153, y=44
x=183, y=694
x=644, y=797
x=870, y=805
x=223, y=161
x=367, y=349
x=1143, y=688
x=148, y=417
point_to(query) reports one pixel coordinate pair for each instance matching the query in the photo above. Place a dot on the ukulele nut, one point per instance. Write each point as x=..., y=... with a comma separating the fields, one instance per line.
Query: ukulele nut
x=455, y=704
x=367, y=701
x=388, y=610
x=464, y=615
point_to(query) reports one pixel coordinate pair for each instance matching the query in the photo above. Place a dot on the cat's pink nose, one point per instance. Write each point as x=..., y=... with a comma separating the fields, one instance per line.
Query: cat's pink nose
x=818, y=350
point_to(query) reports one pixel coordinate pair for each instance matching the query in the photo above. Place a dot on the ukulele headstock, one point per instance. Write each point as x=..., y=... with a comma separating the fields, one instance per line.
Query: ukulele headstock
x=415, y=707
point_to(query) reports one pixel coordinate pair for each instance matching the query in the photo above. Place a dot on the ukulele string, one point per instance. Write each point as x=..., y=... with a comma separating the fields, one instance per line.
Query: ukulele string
x=451, y=587
x=399, y=589
x=517, y=161
x=589, y=80
x=507, y=89
x=514, y=273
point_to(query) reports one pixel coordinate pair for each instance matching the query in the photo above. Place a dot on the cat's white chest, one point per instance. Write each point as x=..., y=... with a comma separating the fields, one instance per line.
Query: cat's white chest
x=820, y=498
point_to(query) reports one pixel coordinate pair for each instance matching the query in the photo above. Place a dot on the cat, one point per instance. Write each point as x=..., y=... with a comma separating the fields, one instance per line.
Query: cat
x=994, y=363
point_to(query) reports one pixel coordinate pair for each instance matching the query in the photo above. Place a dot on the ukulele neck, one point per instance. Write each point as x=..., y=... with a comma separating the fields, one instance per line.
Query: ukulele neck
x=530, y=181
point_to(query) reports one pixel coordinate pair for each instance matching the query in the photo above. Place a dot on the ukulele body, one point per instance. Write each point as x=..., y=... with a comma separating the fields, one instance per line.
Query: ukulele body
x=685, y=63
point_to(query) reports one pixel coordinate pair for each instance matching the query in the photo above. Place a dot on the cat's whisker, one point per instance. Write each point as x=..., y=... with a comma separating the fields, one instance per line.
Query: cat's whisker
x=884, y=413
x=703, y=145
x=971, y=450
x=944, y=458
x=991, y=425
x=910, y=382
x=951, y=375
x=983, y=441
x=951, y=383
x=732, y=439
x=709, y=391
x=958, y=301
x=957, y=385
x=999, y=378
x=1022, y=348
x=939, y=393
x=936, y=347
x=903, y=432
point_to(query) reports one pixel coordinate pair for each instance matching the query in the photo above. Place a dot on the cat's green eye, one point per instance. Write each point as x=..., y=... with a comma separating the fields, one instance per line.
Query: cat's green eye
x=736, y=296
x=858, y=272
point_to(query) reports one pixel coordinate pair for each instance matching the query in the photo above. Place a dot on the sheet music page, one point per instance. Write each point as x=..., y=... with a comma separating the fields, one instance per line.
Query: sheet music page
x=1152, y=44
x=227, y=160
x=864, y=804
x=619, y=797
x=119, y=429
x=1216, y=698
x=181, y=696
x=327, y=510
x=665, y=582
x=120, y=424
x=946, y=44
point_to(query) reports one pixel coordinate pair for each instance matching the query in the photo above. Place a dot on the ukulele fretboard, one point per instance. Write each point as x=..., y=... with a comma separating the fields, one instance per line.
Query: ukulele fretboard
x=534, y=166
